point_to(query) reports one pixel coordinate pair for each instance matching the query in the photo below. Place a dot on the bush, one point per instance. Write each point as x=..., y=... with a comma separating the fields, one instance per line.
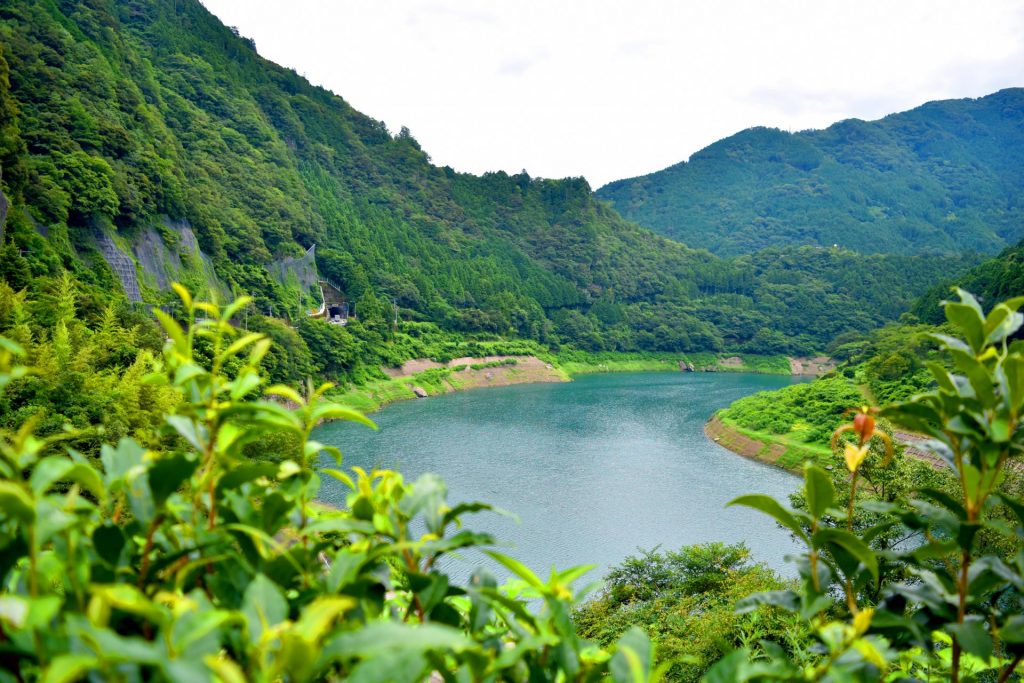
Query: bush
x=191, y=562
x=945, y=603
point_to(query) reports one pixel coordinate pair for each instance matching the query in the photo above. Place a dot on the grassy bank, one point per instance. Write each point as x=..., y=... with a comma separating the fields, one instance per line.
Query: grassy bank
x=586, y=363
x=787, y=452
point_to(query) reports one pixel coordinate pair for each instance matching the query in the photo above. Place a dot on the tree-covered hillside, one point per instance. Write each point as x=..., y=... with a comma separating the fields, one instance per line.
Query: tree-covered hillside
x=995, y=279
x=127, y=127
x=945, y=177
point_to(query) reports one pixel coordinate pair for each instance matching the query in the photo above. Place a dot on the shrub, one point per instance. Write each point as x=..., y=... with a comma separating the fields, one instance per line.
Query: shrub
x=193, y=563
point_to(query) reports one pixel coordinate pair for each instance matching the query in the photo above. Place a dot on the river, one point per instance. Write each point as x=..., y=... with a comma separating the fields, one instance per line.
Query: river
x=594, y=469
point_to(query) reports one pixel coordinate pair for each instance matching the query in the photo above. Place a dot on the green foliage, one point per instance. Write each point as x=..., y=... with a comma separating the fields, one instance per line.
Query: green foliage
x=686, y=600
x=187, y=562
x=996, y=279
x=807, y=412
x=135, y=112
x=944, y=603
x=942, y=178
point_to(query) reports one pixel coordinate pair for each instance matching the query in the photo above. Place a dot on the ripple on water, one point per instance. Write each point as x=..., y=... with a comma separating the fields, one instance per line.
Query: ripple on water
x=594, y=469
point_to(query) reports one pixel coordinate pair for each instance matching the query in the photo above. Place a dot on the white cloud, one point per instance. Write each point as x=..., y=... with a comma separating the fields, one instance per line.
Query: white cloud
x=610, y=89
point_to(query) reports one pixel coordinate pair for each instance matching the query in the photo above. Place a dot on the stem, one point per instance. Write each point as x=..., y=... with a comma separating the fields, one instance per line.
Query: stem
x=965, y=563
x=849, y=506
x=144, y=569
x=1008, y=671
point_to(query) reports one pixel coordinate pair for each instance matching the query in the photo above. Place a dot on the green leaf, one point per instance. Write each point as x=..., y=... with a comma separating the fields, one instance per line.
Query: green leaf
x=821, y=493
x=345, y=568
x=239, y=344
x=187, y=429
x=318, y=616
x=772, y=508
x=383, y=638
x=16, y=503
x=400, y=666
x=786, y=599
x=263, y=606
x=167, y=474
x=109, y=541
x=972, y=636
x=851, y=544
x=631, y=662
x=66, y=668
x=117, y=463
x=517, y=568
x=977, y=375
x=336, y=411
x=1001, y=323
x=173, y=330
x=1013, y=630
x=14, y=611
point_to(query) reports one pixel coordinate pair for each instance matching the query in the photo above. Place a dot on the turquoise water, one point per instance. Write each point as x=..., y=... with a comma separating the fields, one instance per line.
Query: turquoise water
x=594, y=469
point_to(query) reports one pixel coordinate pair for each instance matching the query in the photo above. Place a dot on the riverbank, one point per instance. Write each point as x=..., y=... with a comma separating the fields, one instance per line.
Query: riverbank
x=421, y=378
x=583, y=363
x=768, y=448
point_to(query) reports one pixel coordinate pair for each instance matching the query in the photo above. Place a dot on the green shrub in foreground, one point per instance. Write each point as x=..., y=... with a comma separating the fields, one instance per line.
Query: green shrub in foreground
x=959, y=613
x=194, y=563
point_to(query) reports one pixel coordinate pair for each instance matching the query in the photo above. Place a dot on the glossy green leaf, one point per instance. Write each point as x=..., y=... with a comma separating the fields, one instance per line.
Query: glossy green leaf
x=633, y=658
x=850, y=543
x=821, y=493
x=16, y=503
x=167, y=474
x=972, y=636
x=67, y=668
x=263, y=606
x=517, y=568
x=772, y=508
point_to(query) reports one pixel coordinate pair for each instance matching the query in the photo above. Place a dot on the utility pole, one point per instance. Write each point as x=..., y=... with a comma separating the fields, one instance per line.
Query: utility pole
x=394, y=307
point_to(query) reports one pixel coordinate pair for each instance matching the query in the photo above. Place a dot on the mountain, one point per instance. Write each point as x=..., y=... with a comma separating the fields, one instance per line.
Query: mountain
x=993, y=280
x=945, y=177
x=143, y=142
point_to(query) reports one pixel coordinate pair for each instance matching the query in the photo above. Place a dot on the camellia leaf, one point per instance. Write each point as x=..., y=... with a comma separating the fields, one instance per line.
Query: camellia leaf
x=631, y=662
x=850, y=543
x=517, y=568
x=972, y=636
x=772, y=508
x=68, y=667
x=167, y=474
x=263, y=606
x=16, y=503
x=821, y=493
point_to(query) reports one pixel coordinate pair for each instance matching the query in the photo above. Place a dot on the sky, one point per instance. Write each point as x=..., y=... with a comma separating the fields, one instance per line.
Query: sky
x=610, y=89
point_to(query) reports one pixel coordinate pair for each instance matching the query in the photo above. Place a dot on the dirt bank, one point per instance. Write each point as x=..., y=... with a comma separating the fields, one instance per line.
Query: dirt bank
x=814, y=367
x=741, y=444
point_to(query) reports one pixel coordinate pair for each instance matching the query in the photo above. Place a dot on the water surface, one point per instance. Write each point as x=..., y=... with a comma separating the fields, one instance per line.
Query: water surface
x=594, y=469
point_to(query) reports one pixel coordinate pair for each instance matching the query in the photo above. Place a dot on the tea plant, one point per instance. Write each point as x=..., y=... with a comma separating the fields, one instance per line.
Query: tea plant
x=959, y=615
x=192, y=562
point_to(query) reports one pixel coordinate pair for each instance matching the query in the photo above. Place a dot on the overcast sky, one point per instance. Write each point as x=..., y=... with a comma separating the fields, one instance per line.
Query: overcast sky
x=610, y=89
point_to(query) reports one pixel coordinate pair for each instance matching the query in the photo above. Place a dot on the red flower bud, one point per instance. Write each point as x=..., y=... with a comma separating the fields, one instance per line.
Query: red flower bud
x=864, y=425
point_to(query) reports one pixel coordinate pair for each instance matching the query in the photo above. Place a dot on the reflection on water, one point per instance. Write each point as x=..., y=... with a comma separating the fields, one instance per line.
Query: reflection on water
x=594, y=469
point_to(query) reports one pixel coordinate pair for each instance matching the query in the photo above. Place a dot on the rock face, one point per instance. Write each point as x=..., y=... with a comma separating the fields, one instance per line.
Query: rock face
x=815, y=367
x=161, y=265
x=420, y=392
x=686, y=367
x=301, y=270
x=119, y=262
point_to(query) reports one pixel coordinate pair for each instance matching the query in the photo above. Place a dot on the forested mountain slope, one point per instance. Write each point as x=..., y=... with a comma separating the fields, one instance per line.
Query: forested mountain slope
x=945, y=177
x=147, y=135
x=996, y=279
